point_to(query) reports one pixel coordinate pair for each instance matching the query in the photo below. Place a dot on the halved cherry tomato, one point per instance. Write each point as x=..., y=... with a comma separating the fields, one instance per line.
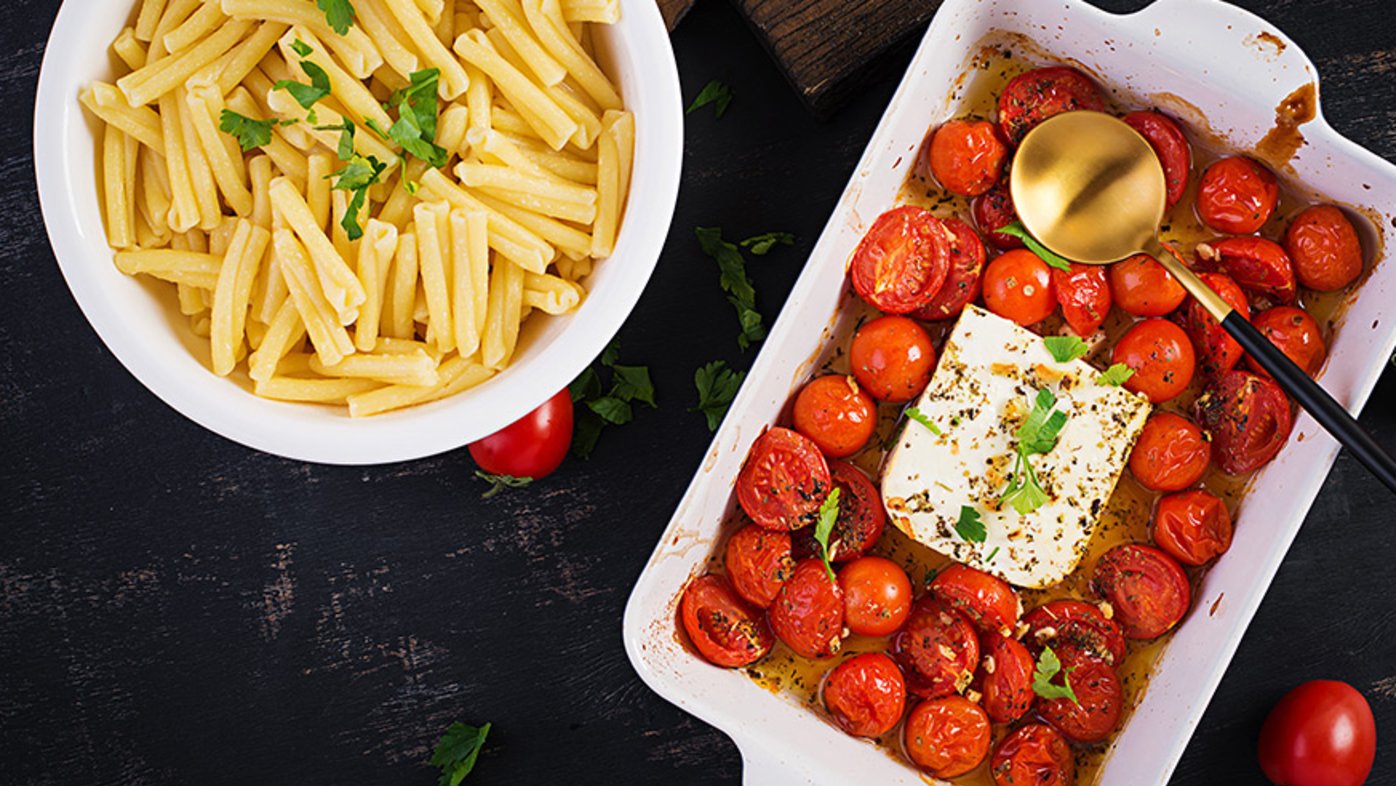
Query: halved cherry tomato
x=808, y=613
x=725, y=629
x=1073, y=628
x=1171, y=453
x=1237, y=195
x=892, y=358
x=1041, y=93
x=865, y=695
x=861, y=515
x=1167, y=140
x=966, y=156
x=876, y=596
x=1248, y=417
x=993, y=211
x=1296, y=334
x=1147, y=589
x=1084, y=294
x=1161, y=356
x=1142, y=286
x=1099, y=701
x=835, y=414
x=947, y=737
x=902, y=261
x=1258, y=265
x=758, y=563
x=1325, y=249
x=784, y=480
x=1034, y=755
x=1193, y=527
x=965, y=279
x=1322, y=733
x=987, y=601
x=1216, y=350
x=1018, y=286
x=937, y=649
x=532, y=446
x=1006, y=684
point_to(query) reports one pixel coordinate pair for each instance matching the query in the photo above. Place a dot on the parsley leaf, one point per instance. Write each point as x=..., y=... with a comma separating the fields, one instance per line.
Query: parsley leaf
x=612, y=409
x=715, y=93
x=301, y=48
x=455, y=754
x=1037, y=435
x=632, y=383
x=824, y=527
x=500, y=482
x=1048, y=667
x=1065, y=349
x=345, y=150
x=338, y=13
x=991, y=556
x=917, y=415
x=628, y=384
x=586, y=385
x=357, y=176
x=1118, y=374
x=761, y=244
x=307, y=95
x=249, y=133
x=717, y=386
x=1044, y=253
x=415, y=129
x=970, y=525
x=735, y=283
x=611, y=353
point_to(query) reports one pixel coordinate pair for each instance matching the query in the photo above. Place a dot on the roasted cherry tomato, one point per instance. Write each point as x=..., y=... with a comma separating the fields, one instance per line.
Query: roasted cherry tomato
x=966, y=156
x=1216, y=350
x=866, y=694
x=902, y=261
x=1146, y=588
x=1193, y=527
x=1099, y=700
x=937, y=648
x=892, y=358
x=1296, y=334
x=808, y=613
x=1324, y=247
x=1041, y=93
x=1248, y=417
x=947, y=737
x=861, y=515
x=1161, y=356
x=835, y=414
x=1171, y=453
x=1322, y=733
x=1237, y=195
x=1072, y=628
x=994, y=211
x=1259, y=266
x=965, y=279
x=987, y=601
x=1084, y=294
x=1167, y=140
x=1034, y=755
x=1018, y=286
x=1141, y=286
x=532, y=446
x=725, y=629
x=1006, y=680
x=758, y=562
x=876, y=596
x=784, y=480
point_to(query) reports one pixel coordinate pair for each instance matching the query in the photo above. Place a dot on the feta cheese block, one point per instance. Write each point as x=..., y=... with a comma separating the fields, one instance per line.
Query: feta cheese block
x=989, y=375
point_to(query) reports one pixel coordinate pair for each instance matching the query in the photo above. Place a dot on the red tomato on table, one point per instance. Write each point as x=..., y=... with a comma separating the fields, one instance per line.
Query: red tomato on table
x=808, y=613
x=966, y=156
x=1171, y=453
x=1041, y=93
x=865, y=695
x=835, y=414
x=1193, y=527
x=1162, y=358
x=1325, y=249
x=1084, y=295
x=532, y=446
x=725, y=629
x=784, y=480
x=1296, y=334
x=1174, y=153
x=1147, y=589
x=987, y=601
x=758, y=562
x=1237, y=195
x=1140, y=285
x=1216, y=350
x=1322, y=733
x=1034, y=755
x=937, y=648
x=947, y=737
x=1248, y=418
x=1018, y=286
x=892, y=358
x=876, y=596
x=902, y=261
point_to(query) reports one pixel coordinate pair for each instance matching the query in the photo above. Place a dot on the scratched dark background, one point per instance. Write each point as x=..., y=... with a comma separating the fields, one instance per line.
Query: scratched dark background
x=177, y=609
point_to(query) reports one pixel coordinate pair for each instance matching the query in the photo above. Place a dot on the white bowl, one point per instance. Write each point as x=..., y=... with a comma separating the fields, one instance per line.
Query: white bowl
x=139, y=321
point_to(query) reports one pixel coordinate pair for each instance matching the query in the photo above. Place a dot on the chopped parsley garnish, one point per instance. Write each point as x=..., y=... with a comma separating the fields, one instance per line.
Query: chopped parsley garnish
x=1065, y=349
x=248, y=132
x=1037, y=435
x=338, y=13
x=500, y=482
x=1016, y=229
x=991, y=556
x=760, y=245
x=357, y=176
x=415, y=129
x=914, y=413
x=345, y=149
x=1047, y=668
x=307, y=95
x=1118, y=374
x=717, y=386
x=455, y=754
x=970, y=525
x=735, y=283
x=824, y=527
x=715, y=93
x=598, y=410
x=301, y=48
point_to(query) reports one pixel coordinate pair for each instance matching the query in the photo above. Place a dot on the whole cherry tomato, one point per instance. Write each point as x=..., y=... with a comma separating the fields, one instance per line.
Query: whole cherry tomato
x=902, y=261
x=1167, y=140
x=947, y=737
x=865, y=695
x=1041, y=93
x=1073, y=628
x=892, y=358
x=1084, y=294
x=1141, y=286
x=1006, y=680
x=994, y=211
x=1325, y=249
x=784, y=480
x=987, y=601
x=1034, y=755
x=1322, y=733
x=758, y=563
x=966, y=156
x=836, y=415
x=1259, y=266
x=1193, y=527
x=861, y=514
x=1018, y=286
x=937, y=649
x=1147, y=589
x=1161, y=356
x=964, y=282
x=532, y=446
x=725, y=629
x=1248, y=417
x=1171, y=453
x=1296, y=334
x=876, y=596
x=1099, y=701
x=1237, y=195
x=1216, y=350
x=808, y=613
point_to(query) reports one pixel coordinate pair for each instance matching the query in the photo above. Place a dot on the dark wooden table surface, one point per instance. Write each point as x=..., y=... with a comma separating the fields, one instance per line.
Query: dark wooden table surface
x=177, y=609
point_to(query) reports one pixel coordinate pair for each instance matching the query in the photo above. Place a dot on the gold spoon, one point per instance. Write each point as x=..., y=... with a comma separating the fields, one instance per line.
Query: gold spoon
x=1091, y=189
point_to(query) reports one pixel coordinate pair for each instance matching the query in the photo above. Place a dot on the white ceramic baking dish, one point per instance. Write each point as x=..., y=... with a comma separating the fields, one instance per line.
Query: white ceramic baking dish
x=1235, y=69
x=139, y=320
